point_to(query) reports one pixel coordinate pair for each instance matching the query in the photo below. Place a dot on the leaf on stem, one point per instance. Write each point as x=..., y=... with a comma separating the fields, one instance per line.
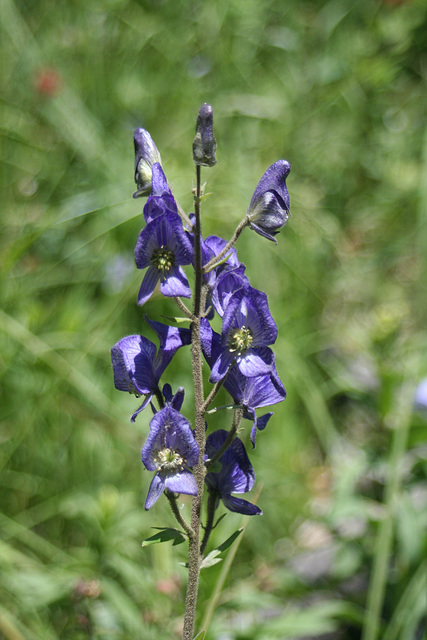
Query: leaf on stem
x=164, y=534
x=212, y=557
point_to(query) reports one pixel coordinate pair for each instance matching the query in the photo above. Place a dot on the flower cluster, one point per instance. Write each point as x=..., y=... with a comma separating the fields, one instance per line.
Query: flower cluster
x=239, y=353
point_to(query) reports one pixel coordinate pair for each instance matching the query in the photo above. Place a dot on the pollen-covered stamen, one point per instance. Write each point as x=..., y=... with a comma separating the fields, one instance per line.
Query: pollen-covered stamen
x=240, y=340
x=163, y=260
x=169, y=460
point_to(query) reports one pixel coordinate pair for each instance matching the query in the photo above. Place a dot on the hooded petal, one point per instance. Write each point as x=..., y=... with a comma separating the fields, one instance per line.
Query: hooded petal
x=236, y=474
x=132, y=359
x=269, y=208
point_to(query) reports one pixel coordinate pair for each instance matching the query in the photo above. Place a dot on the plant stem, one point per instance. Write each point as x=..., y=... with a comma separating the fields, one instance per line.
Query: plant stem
x=212, y=503
x=213, y=263
x=199, y=470
x=186, y=311
x=178, y=515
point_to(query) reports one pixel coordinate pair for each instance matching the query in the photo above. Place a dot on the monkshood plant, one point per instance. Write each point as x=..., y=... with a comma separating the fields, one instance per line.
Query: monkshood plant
x=185, y=457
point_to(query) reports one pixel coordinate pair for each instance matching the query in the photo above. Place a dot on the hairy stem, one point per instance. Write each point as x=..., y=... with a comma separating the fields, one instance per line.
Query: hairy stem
x=212, y=504
x=178, y=515
x=185, y=310
x=199, y=470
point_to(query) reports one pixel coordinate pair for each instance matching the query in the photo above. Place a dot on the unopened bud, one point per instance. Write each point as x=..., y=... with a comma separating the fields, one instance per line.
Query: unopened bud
x=146, y=154
x=204, y=143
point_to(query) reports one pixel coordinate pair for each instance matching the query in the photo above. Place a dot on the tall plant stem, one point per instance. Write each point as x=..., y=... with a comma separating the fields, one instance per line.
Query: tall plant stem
x=199, y=469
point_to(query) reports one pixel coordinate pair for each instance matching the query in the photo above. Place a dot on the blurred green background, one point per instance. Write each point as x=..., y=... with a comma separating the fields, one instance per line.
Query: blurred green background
x=338, y=88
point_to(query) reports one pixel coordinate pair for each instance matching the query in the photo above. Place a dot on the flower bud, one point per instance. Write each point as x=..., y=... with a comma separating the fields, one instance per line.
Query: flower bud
x=204, y=143
x=146, y=154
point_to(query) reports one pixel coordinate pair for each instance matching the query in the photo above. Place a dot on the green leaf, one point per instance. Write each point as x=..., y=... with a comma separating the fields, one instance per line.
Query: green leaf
x=164, y=534
x=227, y=543
x=211, y=559
x=200, y=635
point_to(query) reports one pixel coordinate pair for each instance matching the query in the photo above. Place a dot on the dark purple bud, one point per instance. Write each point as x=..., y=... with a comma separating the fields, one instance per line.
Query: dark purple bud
x=204, y=143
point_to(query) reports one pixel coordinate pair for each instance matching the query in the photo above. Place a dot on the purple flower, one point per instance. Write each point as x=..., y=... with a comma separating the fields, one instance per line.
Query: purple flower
x=136, y=365
x=254, y=393
x=162, y=247
x=269, y=208
x=146, y=154
x=220, y=285
x=161, y=199
x=236, y=474
x=226, y=284
x=250, y=393
x=247, y=329
x=169, y=450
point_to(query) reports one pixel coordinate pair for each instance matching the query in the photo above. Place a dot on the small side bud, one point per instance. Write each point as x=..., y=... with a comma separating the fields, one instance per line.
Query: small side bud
x=146, y=154
x=204, y=143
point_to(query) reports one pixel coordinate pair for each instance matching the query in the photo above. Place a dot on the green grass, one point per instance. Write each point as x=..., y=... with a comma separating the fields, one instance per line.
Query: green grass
x=338, y=89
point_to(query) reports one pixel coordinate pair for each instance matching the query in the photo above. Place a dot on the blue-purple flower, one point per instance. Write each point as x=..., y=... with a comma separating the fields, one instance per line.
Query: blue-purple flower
x=254, y=393
x=170, y=450
x=146, y=154
x=247, y=329
x=161, y=199
x=250, y=393
x=269, y=208
x=162, y=247
x=138, y=366
x=236, y=474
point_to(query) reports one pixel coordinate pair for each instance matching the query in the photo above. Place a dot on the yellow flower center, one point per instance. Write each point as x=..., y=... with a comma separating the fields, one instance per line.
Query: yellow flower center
x=163, y=260
x=240, y=340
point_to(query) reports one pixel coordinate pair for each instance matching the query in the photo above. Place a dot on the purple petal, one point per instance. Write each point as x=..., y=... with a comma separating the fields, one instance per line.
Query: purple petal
x=238, y=505
x=169, y=429
x=259, y=423
x=274, y=179
x=236, y=474
x=156, y=489
x=222, y=365
x=142, y=407
x=256, y=362
x=182, y=482
x=175, y=284
x=148, y=285
x=132, y=359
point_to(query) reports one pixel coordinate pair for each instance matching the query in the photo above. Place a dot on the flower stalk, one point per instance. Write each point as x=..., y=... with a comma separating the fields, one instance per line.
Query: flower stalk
x=183, y=456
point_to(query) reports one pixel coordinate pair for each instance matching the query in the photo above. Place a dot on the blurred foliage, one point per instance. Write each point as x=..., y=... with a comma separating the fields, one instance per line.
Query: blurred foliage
x=338, y=89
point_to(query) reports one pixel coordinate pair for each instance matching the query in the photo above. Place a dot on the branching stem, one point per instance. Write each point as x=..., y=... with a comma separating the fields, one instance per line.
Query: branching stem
x=215, y=261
